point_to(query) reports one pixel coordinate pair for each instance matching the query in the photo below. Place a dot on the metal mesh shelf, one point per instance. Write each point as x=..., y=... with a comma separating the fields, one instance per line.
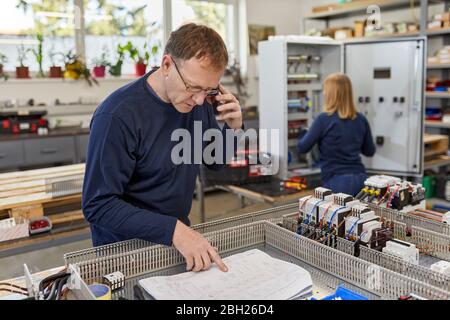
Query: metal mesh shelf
x=273, y=214
x=328, y=262
x=422, y=238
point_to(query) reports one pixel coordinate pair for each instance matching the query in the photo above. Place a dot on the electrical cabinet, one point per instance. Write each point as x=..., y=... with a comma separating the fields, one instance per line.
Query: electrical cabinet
x=388, y=88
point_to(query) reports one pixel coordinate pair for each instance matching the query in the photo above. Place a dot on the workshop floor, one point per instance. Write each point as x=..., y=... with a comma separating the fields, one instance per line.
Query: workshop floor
x=218, y=205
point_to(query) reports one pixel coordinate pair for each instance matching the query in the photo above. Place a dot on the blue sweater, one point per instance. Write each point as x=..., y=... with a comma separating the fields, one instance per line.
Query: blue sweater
x=132, y=189
x=340, y=143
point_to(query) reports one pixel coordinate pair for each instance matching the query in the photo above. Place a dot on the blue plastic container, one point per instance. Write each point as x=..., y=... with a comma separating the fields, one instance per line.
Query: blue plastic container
x=345, y=294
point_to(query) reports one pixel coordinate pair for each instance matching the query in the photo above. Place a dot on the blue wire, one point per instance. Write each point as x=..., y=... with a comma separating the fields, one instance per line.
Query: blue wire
x=332, y=216
x=310, y=213
x=351, y=229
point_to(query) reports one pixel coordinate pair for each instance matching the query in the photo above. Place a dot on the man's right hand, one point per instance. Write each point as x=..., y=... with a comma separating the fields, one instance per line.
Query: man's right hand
x=197, y=251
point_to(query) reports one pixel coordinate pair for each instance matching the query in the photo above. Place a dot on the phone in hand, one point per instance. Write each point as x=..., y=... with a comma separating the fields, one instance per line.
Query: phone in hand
x=214, y=102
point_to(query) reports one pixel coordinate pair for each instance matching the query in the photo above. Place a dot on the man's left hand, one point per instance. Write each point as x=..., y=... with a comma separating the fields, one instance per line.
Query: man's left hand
x=230, y=109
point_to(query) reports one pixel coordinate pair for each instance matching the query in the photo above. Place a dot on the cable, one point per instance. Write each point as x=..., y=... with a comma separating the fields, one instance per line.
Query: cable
x=392, y=197
x=303, y=204
x=13, y=291
x=351, y=229
x=13, y=285
x=53, y=289
x=60, y=286
x=324, y=215
x=313, y=208
x=332, y=215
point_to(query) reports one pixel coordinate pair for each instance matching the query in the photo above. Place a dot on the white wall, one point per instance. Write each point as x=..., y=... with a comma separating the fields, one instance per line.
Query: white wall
x=285, y=15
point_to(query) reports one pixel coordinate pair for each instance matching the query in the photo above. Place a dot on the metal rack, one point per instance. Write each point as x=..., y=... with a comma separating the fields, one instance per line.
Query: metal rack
x=389, y=261
x=378, y=281
x=273, y=214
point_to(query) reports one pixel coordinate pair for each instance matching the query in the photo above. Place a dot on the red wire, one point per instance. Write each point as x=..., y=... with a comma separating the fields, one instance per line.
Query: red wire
x=392, y=196
x=303, y=204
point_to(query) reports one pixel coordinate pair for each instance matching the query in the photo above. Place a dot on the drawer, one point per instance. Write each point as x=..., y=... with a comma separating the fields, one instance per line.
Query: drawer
x=50, y=150
x=11, y=154
x=82, y=147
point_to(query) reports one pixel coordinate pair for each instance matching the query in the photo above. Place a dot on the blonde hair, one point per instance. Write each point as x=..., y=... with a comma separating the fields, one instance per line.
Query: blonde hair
x=338, y=93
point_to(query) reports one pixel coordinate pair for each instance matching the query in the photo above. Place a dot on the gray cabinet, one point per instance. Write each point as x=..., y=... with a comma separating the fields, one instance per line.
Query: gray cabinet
x=11, y=154
x=82, y=143
x=49, y=150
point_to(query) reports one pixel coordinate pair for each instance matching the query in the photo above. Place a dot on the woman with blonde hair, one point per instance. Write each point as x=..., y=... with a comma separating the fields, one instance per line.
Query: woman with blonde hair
x=342, y=134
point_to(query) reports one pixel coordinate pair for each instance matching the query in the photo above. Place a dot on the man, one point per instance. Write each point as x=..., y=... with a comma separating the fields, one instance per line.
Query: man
x=132, y=188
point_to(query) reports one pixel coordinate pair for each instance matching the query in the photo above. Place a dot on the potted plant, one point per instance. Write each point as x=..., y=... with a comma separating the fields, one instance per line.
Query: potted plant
x=22, y=72
x=38, y=55
x=55, y=71
x=116, y=69
x=141, y=59
x=75, y=68
x=100, y=65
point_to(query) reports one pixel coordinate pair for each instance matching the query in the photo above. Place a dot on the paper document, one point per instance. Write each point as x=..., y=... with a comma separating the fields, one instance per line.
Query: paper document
x=252, y=275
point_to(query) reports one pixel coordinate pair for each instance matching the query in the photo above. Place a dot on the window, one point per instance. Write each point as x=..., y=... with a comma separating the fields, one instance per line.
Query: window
x=218, y=15
x=22, y=21
x=109, y=23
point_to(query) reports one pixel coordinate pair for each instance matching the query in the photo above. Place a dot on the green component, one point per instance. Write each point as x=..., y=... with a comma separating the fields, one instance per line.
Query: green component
x=429, y=183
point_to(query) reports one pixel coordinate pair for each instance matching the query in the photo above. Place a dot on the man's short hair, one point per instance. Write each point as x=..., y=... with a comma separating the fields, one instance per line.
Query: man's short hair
x=199, y=41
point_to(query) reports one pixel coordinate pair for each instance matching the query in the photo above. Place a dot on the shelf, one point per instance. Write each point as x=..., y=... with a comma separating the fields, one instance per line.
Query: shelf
x=292, y=143
x=438, y=66
x=443, y=161
x=438, y=32
x=62, y=80
x=381, y=37
x=359, y=7
x=438, y=95
x=305, y=87
x=437, y=124
x=298, y=116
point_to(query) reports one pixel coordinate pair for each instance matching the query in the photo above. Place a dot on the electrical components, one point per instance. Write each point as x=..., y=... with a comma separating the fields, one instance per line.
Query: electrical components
x=402, y=249
x=380, y=237
x=331, y=214
x=441, y=267
x=115, y=280
x=308, y=212
x=391, y=192
x=361, y=224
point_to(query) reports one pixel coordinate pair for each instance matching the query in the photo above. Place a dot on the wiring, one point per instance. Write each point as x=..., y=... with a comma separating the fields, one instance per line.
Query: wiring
x=13, y=291
x=351, y=228
x=303, y=205
x=325, y=214
x=13, y=285
x=333, y=214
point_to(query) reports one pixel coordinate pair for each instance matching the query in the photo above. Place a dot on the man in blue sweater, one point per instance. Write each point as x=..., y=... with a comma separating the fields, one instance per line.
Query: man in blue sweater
x=132, y=188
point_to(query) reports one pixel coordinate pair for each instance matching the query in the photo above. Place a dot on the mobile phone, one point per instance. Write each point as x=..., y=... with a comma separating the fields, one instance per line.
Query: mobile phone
x=214, y=102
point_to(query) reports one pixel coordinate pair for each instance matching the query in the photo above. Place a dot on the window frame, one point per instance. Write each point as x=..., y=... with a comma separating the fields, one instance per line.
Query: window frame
x=238, y=28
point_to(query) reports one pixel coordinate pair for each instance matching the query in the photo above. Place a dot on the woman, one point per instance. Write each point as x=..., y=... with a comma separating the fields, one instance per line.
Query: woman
x=342, y=134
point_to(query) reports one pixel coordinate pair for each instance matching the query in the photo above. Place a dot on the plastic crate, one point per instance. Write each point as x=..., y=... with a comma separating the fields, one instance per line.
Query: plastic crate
x=345, y=294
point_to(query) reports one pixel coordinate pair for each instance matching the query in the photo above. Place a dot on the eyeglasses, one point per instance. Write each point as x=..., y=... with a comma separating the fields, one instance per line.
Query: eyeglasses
x=196, y=90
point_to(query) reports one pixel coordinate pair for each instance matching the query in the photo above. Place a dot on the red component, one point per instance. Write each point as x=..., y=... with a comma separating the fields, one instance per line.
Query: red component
x=39, y=224
x=42, y=122
x=33, y=127
x=238, y=163
x=6, y=124
x=15, y=129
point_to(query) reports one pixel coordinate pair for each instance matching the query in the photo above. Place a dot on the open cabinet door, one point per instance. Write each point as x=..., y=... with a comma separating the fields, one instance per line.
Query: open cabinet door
x=388, y=87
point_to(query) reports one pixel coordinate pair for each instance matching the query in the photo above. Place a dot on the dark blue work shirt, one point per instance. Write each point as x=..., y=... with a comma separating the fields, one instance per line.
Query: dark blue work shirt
x=132, y=189
x=340, y=143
